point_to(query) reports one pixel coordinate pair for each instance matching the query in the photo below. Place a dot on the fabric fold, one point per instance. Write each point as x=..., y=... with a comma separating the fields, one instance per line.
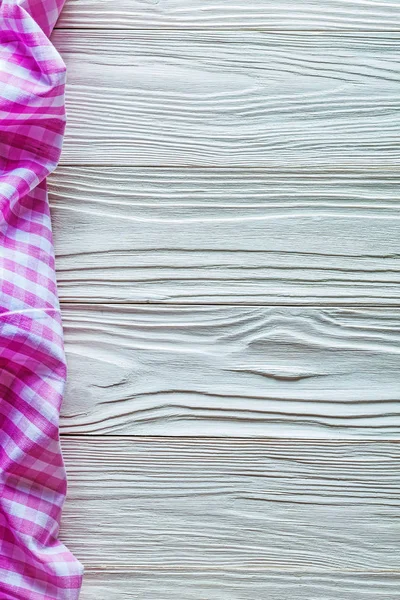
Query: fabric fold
x=34, y=564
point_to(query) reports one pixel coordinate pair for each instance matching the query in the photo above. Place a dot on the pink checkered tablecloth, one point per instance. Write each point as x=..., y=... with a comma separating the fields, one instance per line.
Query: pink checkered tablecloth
x=34, y=564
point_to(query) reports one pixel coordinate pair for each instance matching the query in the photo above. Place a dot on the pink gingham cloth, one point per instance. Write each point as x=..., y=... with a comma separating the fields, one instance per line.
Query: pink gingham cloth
x=34, y=564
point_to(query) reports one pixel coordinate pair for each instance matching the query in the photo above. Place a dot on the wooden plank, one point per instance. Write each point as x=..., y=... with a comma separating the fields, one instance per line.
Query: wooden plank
x=230, y=371
x=278, y=15
x=170, y=98
x=233, y=503
x=239, y=584
x=226, y=236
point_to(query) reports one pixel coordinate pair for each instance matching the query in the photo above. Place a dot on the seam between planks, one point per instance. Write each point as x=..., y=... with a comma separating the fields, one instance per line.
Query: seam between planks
x=232, y=29
x=203, y=438
x=178, y=305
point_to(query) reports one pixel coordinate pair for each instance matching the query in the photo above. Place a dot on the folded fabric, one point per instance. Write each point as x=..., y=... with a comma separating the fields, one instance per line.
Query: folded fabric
x=34, y=564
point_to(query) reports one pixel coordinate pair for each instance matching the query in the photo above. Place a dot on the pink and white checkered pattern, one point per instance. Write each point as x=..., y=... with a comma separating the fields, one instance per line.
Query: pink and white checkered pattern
x=34, y=564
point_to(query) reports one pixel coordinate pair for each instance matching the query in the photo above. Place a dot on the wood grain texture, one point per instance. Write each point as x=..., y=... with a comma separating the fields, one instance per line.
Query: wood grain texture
x=170, y=98
x=226, y=236
x=279, y=15
x=230, y=371
x=238, y=584
x=210, y=504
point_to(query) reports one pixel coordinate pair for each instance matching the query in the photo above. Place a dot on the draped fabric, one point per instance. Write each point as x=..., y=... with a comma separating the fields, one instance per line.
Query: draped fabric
x=34, y=564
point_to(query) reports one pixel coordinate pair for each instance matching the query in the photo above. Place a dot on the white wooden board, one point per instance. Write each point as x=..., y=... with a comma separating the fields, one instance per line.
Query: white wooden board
x=226, y=236
x=163, y=203
x=226, y=504
x=239, y=584
x=231, y=98
x=278, y=15
x=230, y=371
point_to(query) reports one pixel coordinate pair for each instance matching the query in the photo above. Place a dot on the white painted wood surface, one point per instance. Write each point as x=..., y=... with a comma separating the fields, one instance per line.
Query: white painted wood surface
x=239, y=584
x=226, y=227
x=170, y=98
x=243, y=236
x=273, y=15
x=233, y=504
x=230, y=371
